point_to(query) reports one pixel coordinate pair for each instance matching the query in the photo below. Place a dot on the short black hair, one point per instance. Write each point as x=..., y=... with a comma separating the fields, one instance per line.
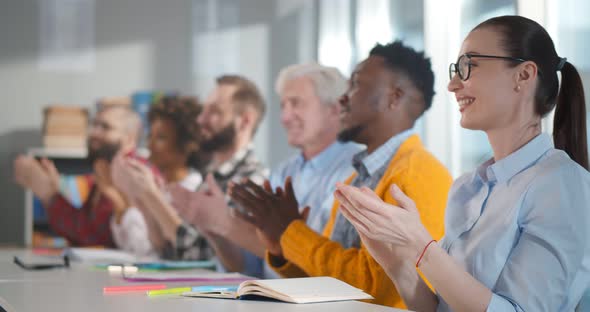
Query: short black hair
x=414, y=64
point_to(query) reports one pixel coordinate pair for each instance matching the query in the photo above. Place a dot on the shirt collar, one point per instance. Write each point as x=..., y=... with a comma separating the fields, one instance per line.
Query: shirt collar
x=230, y=165
x=377, y=159
x=506, y=168
x=192, y=181
x=322, y=159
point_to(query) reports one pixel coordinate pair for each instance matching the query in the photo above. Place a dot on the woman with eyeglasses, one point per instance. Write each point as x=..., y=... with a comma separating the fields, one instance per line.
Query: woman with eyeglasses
x=517, y=228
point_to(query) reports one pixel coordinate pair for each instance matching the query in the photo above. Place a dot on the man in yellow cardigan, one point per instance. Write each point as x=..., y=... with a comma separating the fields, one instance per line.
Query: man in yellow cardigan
x=387, y=93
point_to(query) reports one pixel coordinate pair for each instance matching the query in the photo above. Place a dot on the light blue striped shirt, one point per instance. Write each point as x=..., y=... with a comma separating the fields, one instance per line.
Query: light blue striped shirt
x=520, y=226
x=370, y=169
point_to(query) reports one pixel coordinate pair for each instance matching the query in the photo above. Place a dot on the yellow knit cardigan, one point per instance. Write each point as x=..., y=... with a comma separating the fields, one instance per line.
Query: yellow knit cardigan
x=420, y=176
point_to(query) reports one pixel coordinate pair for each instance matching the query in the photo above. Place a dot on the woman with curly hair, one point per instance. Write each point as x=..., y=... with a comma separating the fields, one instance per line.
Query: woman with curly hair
x=174, y=149
x=174, y=140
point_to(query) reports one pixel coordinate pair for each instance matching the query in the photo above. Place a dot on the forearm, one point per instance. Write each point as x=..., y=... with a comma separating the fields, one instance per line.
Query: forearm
x=228, y=254
x=120, y=205
x=413, y=290
x=458, y=288
x=164, y=214
x=154, y=233
x=242, y=234
x=46, y=198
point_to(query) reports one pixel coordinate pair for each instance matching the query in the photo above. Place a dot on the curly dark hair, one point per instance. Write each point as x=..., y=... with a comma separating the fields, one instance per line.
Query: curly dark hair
x=414, y=64
x=182, y=111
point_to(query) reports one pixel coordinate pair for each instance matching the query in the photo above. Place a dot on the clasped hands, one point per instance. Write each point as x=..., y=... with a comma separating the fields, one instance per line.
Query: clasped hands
x=392, y=233
x=271, y=212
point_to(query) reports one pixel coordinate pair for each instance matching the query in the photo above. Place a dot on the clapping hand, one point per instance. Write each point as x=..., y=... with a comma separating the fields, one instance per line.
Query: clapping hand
x=270, y=212
x=391, y=233
x=206, y=209
x=41, y=177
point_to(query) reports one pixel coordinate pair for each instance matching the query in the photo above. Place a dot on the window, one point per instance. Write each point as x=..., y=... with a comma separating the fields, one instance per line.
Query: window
x=569, y=26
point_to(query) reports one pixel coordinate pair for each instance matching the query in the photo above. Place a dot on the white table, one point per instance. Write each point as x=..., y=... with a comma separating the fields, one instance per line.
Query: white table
x=79, y=288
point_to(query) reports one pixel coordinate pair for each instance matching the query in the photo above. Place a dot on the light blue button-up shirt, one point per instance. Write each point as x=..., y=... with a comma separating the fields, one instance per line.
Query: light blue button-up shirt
x=521, y=226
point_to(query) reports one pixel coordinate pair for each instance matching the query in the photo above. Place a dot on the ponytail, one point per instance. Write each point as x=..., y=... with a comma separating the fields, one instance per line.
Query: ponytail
x=526, y=39
x=569, y=124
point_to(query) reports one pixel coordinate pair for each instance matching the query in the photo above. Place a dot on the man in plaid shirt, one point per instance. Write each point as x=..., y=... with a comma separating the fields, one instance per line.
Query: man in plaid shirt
x=229, y=120
x=114, y=128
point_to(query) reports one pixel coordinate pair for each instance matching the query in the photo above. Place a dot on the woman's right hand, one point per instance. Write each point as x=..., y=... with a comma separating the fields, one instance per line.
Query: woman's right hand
x=392, y=234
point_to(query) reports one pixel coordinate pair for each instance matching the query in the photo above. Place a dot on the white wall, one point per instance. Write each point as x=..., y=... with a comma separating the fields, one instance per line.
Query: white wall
x=140, y=45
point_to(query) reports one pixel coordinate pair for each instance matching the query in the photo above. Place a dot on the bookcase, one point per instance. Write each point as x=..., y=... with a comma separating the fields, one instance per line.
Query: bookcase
x=67, y=161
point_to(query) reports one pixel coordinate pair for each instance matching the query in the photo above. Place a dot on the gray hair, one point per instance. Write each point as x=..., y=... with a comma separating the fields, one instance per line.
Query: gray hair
x=328, y=82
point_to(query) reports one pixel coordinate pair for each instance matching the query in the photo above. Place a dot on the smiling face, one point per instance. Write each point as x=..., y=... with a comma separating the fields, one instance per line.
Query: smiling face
x=361, y=105
x=108, y=133
x=488, y=99
x=305, y=118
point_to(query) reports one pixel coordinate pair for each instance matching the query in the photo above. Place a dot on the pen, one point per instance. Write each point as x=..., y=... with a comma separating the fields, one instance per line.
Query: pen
x=132, y=288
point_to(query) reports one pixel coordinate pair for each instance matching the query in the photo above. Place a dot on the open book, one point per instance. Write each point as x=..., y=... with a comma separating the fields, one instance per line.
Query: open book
x=294, y=290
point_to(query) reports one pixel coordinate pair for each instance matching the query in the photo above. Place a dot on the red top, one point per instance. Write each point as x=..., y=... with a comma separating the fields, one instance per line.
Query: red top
x=86, y=226
x=89, y=225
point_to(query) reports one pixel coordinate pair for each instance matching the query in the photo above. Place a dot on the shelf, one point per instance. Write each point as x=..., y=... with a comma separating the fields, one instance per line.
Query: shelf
x=58, y=152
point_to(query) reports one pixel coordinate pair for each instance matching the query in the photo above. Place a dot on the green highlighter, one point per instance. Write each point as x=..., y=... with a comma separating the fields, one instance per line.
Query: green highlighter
x=180, y=290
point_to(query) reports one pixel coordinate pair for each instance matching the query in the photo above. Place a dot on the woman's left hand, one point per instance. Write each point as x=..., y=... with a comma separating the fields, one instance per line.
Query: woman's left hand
x=398, y=226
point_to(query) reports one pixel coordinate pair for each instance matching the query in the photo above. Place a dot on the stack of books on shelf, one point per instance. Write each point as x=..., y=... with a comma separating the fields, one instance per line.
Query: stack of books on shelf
x=65, y=127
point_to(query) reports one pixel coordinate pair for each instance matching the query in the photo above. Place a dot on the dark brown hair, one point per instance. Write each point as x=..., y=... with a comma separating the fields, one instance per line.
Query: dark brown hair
x=182, y=112
x=246, y=95
x=526, y=39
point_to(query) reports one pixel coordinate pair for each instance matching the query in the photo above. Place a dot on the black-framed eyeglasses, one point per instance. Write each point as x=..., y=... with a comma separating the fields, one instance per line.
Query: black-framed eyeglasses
x=42, y=266
x=463, y=65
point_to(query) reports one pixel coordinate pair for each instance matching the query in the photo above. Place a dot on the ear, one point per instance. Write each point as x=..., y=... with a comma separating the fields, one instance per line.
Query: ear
x=394, y=97
x=246, y=120
x=526, y=74
x=129, y=142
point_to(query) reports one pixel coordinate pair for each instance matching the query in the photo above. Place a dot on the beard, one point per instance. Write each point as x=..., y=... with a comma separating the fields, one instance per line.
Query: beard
x=220, y=140
x=350, y=134
x=105, y=151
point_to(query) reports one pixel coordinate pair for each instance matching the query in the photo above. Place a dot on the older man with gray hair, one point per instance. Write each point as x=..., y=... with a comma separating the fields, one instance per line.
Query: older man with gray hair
x=310, y=114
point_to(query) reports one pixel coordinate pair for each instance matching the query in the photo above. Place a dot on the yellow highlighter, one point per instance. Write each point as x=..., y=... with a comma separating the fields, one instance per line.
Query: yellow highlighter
x=168, y=291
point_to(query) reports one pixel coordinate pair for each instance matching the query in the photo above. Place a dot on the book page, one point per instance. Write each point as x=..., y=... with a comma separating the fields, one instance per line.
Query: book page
x=304, y=290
